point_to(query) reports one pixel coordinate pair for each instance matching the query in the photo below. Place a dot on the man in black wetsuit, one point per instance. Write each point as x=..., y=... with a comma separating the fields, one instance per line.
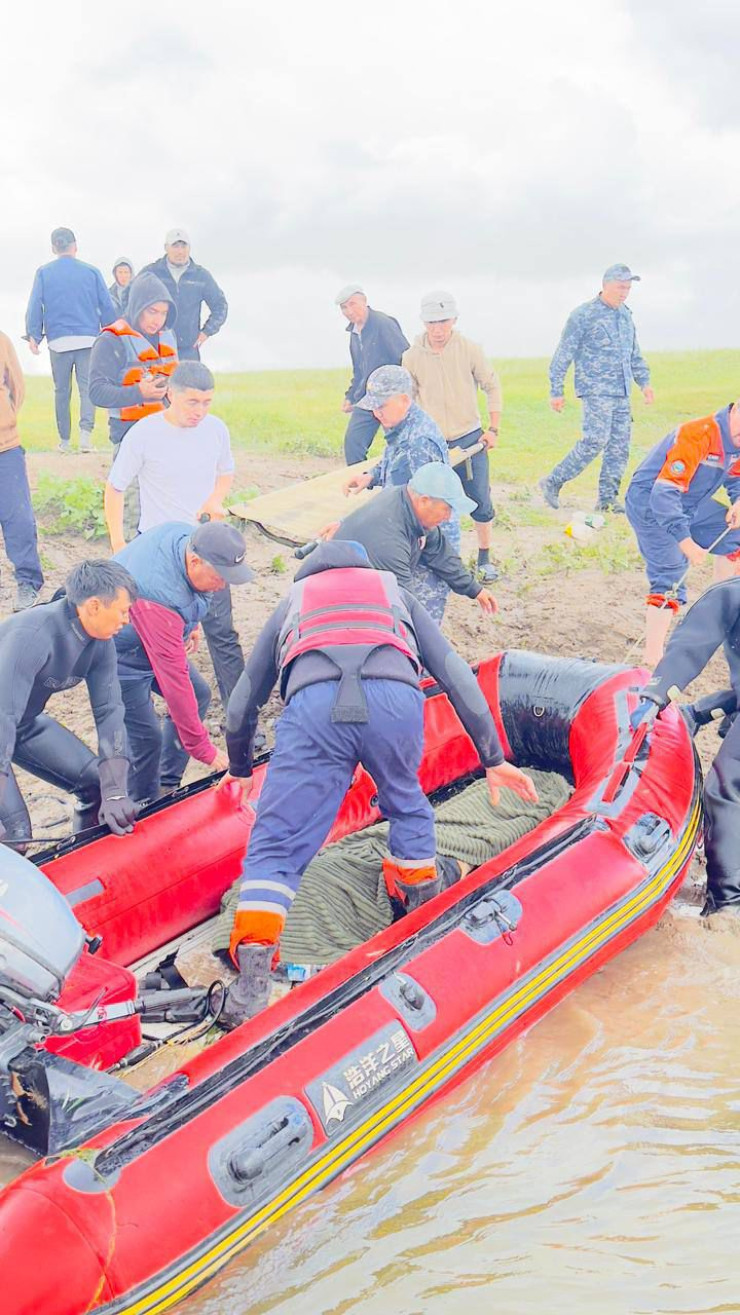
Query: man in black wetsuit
x=50, y=648
x=714, y=619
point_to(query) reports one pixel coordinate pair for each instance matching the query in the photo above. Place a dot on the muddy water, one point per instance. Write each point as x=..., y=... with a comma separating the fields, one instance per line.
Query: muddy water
x=593, y=1168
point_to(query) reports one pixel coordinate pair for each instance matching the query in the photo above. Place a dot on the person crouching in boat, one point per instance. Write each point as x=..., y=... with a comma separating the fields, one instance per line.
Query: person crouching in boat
x=347, y=646
x=671, y=507
x=714, y=619
x=176, y=569
x=50, y=648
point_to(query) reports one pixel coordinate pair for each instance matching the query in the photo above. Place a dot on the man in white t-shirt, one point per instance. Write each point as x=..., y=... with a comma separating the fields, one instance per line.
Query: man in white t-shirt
x=182, y=460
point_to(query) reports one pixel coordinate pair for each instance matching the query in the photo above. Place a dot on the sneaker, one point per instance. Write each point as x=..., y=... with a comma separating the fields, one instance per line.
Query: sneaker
x=487, y=572
x=25, y=596
x=85, y=444
x=615, y=507
x=63, y=447
x=550, y=492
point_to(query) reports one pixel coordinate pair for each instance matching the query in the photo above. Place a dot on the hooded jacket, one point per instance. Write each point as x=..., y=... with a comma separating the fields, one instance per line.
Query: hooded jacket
x=12, y=392
x=110, y=359
x=263, y=668
x=119, y=296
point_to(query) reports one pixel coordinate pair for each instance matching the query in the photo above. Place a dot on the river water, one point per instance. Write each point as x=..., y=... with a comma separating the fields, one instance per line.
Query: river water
x=591, y=1169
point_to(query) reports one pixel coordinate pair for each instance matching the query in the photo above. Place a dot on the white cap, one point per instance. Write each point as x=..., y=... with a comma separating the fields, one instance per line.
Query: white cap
x=176, y=235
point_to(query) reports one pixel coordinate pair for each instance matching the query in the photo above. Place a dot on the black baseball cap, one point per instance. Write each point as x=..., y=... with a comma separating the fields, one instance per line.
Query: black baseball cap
x=224, y=549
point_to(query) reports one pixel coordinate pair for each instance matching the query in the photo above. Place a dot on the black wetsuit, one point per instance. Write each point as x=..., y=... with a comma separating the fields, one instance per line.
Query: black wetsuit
x=713, y=620
x=42, y=651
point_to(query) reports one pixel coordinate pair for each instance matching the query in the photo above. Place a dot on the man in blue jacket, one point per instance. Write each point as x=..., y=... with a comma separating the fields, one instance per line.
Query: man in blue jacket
x=375, y=339
x=189, y=285
x=69, y=304
x=599, y=337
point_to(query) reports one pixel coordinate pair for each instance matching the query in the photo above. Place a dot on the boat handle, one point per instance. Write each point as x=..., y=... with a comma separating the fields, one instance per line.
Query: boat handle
x=248, y=1164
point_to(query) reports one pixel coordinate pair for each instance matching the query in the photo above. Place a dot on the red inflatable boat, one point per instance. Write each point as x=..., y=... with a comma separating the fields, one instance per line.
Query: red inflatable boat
x=272, y=1112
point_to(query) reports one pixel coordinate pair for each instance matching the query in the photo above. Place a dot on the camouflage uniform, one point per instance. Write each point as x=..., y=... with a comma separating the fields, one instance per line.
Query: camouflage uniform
x=602, y=342
x=415, y=442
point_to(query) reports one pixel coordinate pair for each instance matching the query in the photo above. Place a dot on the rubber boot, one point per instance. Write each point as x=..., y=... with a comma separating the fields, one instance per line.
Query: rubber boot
x=250, y=993
x=413, y=895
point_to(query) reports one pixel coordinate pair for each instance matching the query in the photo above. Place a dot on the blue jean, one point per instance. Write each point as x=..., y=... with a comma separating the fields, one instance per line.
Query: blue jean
x=158, y=759
x=665, y=563
x=310, y=772
x=475, y=477
x=62, y=365
x=17, y=518
x=359, y=435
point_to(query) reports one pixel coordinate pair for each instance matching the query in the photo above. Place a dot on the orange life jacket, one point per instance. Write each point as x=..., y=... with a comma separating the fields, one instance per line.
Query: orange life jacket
x=143, y=358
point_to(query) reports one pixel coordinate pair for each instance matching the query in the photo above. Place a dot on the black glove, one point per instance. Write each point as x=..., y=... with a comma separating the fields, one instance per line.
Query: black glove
x=653, y=700
x=117, y=809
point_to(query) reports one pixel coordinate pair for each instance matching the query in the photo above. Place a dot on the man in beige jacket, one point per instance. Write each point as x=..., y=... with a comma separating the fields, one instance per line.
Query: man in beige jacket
x=447, y=371
x=16, y=513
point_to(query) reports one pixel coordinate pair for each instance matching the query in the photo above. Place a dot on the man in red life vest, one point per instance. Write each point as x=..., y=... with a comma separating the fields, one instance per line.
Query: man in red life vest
x=347, y=646
x=132, y=358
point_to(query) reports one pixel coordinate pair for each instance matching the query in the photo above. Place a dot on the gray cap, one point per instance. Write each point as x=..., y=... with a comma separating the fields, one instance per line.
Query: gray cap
x=349, y=290
x=176, y=235
x=223, y=547
x=620, y=274
x=437, y=480
x=386, y=382
x=437, y=306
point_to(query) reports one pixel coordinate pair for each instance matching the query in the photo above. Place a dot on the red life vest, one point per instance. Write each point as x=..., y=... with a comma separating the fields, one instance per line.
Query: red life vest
x=143, y=359
x=343, y=606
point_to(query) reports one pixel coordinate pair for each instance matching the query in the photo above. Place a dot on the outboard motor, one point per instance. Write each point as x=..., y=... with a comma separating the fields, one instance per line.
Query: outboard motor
x=46, y=1101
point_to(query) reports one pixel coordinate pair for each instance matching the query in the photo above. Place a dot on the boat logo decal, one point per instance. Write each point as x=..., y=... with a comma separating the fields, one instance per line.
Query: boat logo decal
x=335, y=1103
x=349, y=1086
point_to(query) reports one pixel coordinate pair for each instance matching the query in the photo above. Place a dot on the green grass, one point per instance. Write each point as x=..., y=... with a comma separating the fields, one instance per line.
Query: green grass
x=299, y=411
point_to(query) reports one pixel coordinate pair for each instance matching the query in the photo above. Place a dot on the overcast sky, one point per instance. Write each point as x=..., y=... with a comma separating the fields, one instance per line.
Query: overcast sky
x=508, y=151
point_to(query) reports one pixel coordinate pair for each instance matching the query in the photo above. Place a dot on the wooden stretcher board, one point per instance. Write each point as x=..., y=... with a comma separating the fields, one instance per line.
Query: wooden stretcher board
x=294, y=515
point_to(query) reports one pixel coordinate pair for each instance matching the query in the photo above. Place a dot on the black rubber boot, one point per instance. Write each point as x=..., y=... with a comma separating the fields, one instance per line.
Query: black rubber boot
x=417, y=893
x=250, y=993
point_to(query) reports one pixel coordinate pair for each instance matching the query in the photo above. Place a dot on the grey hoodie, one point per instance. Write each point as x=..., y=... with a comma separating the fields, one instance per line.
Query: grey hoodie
x=119, y=295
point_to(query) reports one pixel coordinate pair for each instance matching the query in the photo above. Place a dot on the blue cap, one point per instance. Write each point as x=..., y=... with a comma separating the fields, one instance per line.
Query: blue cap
x=620, y=274
x=437, y=480
x=386, y=382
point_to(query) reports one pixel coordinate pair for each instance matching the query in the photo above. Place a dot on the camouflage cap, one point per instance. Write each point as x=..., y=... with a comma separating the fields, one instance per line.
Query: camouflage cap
x=436, y=306
x=349, y=290
x=620, y=274
x=386, y=382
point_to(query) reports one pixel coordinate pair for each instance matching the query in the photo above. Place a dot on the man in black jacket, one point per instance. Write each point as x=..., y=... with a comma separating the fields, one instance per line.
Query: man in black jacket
x=189, y=285
x=347, y=646
x=50, y=648
x=713, y=620
x=374, y=339
x=399, y=528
